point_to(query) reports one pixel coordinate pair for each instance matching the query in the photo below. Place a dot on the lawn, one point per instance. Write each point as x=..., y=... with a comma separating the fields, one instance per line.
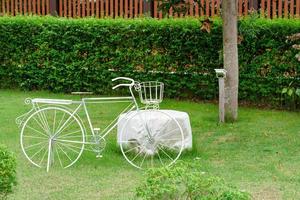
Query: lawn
x=260, y=154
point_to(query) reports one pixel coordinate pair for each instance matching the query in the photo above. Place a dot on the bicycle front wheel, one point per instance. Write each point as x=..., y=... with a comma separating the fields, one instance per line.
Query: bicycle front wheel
x=52, y=136
x=151, y=138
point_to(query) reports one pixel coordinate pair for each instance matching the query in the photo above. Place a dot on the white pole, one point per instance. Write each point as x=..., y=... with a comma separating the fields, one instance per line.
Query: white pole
x=221, y=100
x=221, y=75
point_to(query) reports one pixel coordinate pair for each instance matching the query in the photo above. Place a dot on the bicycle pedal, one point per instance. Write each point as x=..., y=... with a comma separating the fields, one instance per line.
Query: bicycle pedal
x=99, y=156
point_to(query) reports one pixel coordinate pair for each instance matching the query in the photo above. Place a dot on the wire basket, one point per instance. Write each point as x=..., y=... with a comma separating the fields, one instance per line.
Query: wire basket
x=151, y=92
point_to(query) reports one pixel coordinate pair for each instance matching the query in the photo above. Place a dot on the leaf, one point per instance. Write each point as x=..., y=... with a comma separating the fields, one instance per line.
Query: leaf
x=284, y=90
x=290, y=92
x=298, y=92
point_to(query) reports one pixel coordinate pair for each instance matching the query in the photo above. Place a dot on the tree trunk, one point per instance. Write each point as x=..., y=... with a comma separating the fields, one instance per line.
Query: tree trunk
x=230, y=53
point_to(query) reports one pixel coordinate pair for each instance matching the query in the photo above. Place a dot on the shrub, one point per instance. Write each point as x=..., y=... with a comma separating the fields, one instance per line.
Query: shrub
x=63, y=55
x=7, y=172
x=186, y=181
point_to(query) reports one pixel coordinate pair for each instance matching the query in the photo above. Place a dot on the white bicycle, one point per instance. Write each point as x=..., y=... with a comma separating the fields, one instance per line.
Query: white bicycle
x=53, y=134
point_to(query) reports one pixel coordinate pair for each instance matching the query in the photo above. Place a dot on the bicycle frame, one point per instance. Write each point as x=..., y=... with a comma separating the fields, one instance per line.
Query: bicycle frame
x=59, y=141
x=83, y=104
x=102, y=100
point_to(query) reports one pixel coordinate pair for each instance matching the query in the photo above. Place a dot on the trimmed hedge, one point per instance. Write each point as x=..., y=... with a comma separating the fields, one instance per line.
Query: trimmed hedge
x=7, y=172
x=63, y=55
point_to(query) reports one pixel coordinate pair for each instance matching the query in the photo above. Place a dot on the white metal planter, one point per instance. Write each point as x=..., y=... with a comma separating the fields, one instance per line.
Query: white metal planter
x=55, y=134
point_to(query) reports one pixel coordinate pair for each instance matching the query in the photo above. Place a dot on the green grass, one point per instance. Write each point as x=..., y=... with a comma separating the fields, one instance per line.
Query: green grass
x=260, y=154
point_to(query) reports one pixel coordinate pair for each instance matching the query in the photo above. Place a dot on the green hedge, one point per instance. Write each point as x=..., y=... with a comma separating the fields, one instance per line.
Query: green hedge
x=64, y=55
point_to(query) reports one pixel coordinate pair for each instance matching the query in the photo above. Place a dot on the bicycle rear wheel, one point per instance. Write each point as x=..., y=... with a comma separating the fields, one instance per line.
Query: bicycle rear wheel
x=51, y=136
x=157, y=140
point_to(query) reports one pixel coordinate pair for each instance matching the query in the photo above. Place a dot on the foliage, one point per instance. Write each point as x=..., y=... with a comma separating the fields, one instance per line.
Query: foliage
x=7, y=172
x=291, y=94
x=295, y=37
x=63, y=55
x=186, y=181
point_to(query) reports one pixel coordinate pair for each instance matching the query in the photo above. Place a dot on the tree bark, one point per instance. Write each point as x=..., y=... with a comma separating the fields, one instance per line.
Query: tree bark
x=230, y=54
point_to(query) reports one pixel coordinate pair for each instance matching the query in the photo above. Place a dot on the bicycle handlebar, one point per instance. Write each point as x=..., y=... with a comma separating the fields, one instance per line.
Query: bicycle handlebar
x=123, y=84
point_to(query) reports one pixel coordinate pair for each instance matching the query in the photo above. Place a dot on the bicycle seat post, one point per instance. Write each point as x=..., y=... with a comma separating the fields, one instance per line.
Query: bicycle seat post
x=96, y=131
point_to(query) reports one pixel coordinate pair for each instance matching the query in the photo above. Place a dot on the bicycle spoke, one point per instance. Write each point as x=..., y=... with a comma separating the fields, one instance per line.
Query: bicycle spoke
x=148, y=128
x=160, y=158
x=65, y=125
x=131, y=149
x=33, y=145
x=37, y=131
x=143, y=160
x=54, y=121
x=168, y=133
x=43, y=156
x=75, y=136
x=40, y=121
x=58, y=127
x=151, y=123
x=172, y=148
x=90, y=150
x=144, y=123
x=35, y=137
x=58, y=158
x=72, y=141
x=41, y=115
x=46, y=121
x=69, y=147
x=41, y=125
x=64, y=152
x=136, y=155
x=165, y=153
x=68, y=134
x=37, y=152
x=164, y=127
x=68, y=144
x=172, y=139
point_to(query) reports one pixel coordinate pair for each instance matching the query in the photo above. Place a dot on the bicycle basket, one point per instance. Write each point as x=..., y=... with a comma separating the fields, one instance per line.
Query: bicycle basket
x=151, y=92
